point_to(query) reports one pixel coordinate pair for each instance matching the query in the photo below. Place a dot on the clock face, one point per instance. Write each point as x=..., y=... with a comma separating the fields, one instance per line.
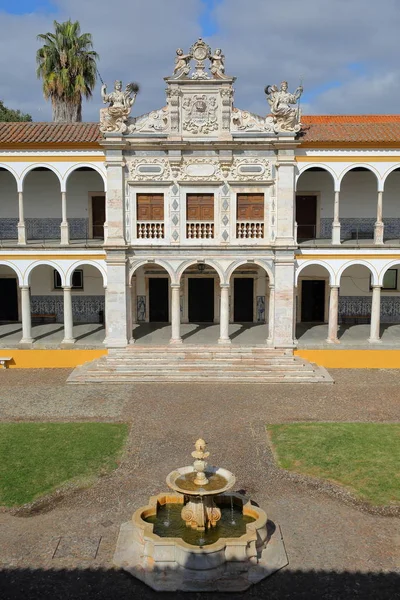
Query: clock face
x=200, y=53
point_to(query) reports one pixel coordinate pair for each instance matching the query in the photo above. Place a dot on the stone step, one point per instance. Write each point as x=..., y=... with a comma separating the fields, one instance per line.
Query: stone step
x=199, y=379
x=204, y=366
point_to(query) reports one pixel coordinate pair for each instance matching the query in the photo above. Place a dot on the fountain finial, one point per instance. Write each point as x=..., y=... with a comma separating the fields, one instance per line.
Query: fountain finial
x=200, y=464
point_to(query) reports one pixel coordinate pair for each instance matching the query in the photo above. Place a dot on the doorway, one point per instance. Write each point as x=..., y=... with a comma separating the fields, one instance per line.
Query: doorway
x=313, y=301
x=243, y=299
x=158, y=300
x=201, y=300
x=8, y=299
x=98, y=216
x=306, y=217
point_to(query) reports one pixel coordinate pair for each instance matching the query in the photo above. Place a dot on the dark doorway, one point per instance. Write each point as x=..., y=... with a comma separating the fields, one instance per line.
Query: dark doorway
x=8, y=300
x=243, y=300
x=158, y=300
x=201, y=300
x=306, y=217
x=312, y=301
x=98, y=216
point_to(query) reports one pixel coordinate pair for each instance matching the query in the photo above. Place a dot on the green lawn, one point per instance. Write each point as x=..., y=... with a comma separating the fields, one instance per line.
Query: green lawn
x=363, y=457
x=37, y=458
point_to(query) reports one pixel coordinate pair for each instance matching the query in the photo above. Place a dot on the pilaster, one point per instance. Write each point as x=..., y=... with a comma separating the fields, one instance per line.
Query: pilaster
x=284, y=301
x=115, y=196
x=285, y=187
x=116, y=300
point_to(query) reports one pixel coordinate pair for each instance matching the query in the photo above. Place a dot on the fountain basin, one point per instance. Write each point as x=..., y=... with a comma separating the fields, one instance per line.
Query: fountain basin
x=182, y=480
x=170, y=564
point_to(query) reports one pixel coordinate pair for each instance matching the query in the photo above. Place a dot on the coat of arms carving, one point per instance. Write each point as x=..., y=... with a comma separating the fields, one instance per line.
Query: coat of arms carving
x=200, y=113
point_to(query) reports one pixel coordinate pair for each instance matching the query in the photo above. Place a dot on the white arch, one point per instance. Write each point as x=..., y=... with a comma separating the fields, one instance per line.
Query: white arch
x=10, y=170
x=353, y=166
x=387, y=173
x=146, y=261
x=363, y=263
x=79, y=263
x=39, y=263
x=34, y=166
x=392, y=263
x=238, y=263
x=320, y=263
x=90, y=166
x=327, y=168
x=14, y=267
x=210, y=263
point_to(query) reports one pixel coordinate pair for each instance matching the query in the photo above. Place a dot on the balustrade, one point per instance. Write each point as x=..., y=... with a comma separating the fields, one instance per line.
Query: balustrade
x=150, y=230
x=199, y=230
x=249, y=229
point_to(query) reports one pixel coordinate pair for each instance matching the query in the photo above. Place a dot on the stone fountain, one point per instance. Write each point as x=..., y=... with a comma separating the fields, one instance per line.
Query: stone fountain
x=200, y=538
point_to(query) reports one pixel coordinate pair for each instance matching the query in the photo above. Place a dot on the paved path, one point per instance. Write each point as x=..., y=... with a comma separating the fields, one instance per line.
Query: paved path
x=336, y=551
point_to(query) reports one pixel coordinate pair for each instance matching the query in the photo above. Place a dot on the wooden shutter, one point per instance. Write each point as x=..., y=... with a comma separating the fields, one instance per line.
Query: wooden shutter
x=150, y=207
x=250, y=207
x=200, y=207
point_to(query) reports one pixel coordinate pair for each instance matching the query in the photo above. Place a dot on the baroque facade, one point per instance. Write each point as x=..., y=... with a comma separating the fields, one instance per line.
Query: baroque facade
x=201, y=212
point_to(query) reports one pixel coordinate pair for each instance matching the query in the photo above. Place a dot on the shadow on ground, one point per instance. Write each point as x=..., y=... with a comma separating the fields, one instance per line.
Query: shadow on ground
x=96, y=584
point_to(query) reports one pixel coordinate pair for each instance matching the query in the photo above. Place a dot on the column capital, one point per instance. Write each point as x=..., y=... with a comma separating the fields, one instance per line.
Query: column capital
x=67, y=288
x=175, y=286
x=24, y=287
x=333, y=287
x=373, y=286
x=224, y=286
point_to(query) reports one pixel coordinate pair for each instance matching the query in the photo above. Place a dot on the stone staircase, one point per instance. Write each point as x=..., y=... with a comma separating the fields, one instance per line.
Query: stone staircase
x=199, y=364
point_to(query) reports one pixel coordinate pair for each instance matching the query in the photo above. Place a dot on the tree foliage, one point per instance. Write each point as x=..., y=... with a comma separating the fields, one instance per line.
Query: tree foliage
x=67, y=65
x=10, y=115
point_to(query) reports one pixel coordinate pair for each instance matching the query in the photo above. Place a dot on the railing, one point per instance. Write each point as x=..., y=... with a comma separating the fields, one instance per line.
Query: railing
x=249, y=229
x=199, y=230
x=147, y=230
x=41, y=237
x=306, y=232
x=361, y=233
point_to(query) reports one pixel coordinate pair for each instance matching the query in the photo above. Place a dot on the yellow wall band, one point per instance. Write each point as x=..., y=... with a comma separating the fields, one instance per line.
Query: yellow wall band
x=352, y=359
x=50, y=359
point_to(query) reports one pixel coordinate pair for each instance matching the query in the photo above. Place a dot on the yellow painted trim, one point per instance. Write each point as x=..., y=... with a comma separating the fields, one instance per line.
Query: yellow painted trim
x=357, y=159
x=355, y=255
x=50, y=359
x=353, y=359
x=52, y=256
x=46, y=158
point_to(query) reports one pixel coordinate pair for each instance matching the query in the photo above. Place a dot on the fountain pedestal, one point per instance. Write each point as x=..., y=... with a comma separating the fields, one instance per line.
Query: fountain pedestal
x=201, y=513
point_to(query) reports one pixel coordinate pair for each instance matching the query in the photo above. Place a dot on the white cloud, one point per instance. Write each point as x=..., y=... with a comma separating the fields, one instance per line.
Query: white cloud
x=345, y=49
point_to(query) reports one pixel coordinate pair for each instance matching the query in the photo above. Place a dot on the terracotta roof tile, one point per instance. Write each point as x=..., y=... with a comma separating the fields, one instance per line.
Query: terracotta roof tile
x=351, y=129
x=49, y=133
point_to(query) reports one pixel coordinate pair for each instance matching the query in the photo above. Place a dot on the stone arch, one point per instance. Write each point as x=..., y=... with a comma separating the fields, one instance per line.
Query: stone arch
x=14, y=173
x=386, y=174
x=353, y=263
x=238, y=263
x=388, y=266
x=324, y=167
x=34, y=166
x=77, y=166
x=14, y=268
x=161, y=263
x=211, y=263
x=79, y=263
x=320, y=263
x=364, y=166
x=40, y=263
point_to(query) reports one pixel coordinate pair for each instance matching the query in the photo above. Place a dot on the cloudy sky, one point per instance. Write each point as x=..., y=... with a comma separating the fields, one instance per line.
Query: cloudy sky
x=345, y=51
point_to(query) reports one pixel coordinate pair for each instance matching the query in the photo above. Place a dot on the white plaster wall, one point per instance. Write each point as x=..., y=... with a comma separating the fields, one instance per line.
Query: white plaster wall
x=391, y=196
x=355, y=280
x=42, y=195
x=321, y=183
x=42, y=282
x=7, y=272
x=79, y=184
x=8, y=195
x=358, y=195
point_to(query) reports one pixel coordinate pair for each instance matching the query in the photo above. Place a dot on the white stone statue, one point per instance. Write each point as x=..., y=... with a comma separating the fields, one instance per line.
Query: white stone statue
x=218, y=64
x=114, y=117
x=182, y=64
x=286, y=118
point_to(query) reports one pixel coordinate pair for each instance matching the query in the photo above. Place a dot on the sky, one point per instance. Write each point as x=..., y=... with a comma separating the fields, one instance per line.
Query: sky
x=345, y=52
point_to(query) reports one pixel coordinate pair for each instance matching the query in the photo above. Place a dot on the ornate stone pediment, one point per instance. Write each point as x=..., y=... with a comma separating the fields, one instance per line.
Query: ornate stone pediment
x=157, y=121
x=243, y=121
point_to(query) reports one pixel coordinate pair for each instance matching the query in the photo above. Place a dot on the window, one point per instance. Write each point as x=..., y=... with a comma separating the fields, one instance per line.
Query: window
x=200, y=207
x=250, y=207
x=150, y=207
x=77, y=280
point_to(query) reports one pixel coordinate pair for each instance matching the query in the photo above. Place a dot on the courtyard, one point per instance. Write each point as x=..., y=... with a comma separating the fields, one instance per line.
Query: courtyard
x=337, y=547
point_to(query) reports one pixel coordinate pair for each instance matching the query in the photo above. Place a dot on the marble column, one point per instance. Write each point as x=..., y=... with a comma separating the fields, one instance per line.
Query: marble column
x=271, y=312
x=129, y=320
x=21, y=220
x=224, y=315
x=333, y=315
x=374, y=337
x=116, y=305
x=379, y=226
x=283, y=301
x=26, y=315
x=336, y=222
x=68, y=318
x=175, y=314
x=64, y=227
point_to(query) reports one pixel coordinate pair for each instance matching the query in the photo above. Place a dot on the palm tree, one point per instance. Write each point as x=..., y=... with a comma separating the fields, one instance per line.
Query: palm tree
x=67, y=65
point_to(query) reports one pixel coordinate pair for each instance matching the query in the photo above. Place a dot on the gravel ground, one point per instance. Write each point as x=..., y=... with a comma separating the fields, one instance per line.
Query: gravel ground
x=335, y=549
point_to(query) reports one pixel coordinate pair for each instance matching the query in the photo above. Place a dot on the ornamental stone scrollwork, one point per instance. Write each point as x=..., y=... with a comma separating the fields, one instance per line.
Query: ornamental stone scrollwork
x=149, y=169
x=113, y=118
x=199, y=51
x=242, y=120
x=201, y=169
x=200, y=113
x=286, y=118
x=250, y=169
x=157, y=121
